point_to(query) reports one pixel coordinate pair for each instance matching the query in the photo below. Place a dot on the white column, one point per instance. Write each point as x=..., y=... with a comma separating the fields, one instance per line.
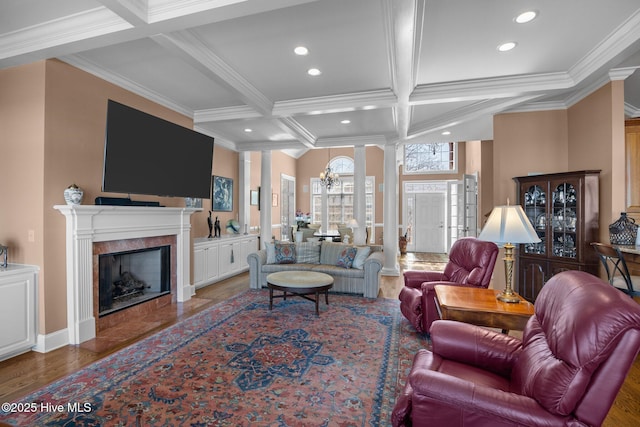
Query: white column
x=390, y=200
x=324, y=202
x=359, y=194
x=265, y=198
x=244, y=178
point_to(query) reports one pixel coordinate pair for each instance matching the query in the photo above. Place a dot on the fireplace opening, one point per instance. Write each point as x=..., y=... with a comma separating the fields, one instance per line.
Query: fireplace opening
x=133, y=277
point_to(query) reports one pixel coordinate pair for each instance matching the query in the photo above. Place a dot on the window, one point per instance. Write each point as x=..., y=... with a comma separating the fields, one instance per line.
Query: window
x=340, y=196
x=437, y=157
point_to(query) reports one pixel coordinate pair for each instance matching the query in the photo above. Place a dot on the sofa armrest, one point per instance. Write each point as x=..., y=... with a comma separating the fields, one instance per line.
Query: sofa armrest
x=256, y=260
x=372, y=267
x=475, y=346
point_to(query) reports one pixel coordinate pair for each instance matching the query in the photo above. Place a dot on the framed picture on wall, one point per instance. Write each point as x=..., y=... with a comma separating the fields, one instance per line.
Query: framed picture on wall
x=222, y=194
x=254, y=198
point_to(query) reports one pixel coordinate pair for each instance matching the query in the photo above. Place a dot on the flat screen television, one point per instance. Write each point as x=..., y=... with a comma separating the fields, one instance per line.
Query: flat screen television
x=144, y=154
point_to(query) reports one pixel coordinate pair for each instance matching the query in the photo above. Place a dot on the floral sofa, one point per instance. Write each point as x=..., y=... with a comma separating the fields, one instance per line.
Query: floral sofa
x=355, y=269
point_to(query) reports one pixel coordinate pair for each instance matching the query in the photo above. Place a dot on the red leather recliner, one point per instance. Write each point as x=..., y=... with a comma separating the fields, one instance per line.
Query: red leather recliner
x=574, y=355
x=471, y=263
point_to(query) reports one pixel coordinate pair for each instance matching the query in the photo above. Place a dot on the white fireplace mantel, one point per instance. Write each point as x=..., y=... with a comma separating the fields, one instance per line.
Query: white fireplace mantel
x=87, y=224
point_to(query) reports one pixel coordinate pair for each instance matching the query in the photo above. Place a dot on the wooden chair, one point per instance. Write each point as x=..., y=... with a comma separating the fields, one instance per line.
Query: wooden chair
x=616, y=268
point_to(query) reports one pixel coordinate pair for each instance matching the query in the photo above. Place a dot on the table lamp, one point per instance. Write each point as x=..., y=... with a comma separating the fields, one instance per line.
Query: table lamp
x=508, y=225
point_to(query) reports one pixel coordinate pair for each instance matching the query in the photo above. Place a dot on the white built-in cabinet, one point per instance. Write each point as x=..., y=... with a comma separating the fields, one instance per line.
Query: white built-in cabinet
x=217, y=259
x=18, y=309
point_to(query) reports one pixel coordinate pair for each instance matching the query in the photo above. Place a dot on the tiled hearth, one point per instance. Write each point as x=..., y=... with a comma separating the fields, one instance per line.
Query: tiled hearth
x=89, y=226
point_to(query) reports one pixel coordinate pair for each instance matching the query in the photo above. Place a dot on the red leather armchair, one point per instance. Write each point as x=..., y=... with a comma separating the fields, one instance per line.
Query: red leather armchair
x=574, y=355
x=471, y=263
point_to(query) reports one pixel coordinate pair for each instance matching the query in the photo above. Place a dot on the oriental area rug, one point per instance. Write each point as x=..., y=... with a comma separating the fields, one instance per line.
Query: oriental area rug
x=239, y=364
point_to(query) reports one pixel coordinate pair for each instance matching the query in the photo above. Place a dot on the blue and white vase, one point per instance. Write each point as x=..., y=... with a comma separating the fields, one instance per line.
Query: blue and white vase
x=73, y=195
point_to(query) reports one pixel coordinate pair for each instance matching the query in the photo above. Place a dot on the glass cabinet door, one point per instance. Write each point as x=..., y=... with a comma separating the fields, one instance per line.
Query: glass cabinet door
x=564, y=218
x=535, y=206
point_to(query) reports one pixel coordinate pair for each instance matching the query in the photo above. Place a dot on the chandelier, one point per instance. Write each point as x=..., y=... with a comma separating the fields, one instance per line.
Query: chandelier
x=328, y=178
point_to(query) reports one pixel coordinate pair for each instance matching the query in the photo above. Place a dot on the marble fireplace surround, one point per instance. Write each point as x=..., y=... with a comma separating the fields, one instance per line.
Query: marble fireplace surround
x=86, y=225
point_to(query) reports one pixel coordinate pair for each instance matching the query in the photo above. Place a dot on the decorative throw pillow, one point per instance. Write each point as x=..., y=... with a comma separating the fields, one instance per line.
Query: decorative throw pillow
x=346, y=257
x=361, y=256
x=271, y=252
x=285, y=253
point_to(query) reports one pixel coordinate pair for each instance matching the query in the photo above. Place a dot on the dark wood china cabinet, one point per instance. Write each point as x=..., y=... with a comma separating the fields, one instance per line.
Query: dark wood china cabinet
x=563, y=209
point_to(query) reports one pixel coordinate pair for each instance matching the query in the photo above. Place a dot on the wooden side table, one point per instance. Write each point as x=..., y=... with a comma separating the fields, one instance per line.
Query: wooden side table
x=480, y=307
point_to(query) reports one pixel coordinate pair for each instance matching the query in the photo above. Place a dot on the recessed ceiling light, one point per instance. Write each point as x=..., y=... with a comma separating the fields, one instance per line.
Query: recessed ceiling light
x=506, y=46
x=345, y=122
x=369, y=107
x=314, y=72
x=525, y=17
x=301, y=50
x=446, y=132
x=248, y=130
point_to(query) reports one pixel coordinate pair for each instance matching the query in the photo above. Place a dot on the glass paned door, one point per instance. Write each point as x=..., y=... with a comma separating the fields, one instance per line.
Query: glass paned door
x=564, y=219
x=535, y=206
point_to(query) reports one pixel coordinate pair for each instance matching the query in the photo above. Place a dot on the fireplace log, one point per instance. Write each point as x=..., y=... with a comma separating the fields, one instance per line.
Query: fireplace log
x=128, y=285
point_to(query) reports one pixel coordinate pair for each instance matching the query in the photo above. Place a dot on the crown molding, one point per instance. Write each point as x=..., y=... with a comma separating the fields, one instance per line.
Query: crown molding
x=270, y=145
x=90, y=67
x=631, y=111
x=352, y=141
x=193, y=50
x=72, y=28
x=133, y=11
x=219, y=140
x=162, y=10
x=288, y=124
x=335, y=103
x=465, y=114
x=620, y=39
x=538, y=106
x=489, y=88
x=239, y=112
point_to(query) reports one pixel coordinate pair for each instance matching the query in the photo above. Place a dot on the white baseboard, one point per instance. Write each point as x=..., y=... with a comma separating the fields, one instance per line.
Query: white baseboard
x=50, y=342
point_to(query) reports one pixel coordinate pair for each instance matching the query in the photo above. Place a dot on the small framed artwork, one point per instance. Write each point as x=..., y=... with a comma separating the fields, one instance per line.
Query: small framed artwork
x=254, y=198
x=191, y=202
x=274, y=199
x=222, y=194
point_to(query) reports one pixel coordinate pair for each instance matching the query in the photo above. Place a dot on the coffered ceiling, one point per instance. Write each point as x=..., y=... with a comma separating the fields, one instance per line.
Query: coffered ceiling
x=397, y=70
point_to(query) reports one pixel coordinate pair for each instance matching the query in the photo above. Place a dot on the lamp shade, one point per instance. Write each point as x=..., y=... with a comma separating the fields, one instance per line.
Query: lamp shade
x=352, y=223
x=508, y=224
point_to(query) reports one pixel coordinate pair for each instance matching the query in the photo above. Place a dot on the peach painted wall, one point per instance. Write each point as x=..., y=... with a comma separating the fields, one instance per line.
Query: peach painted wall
x=22, y=121
x=524, y=143
x=225, y=163
x=596, y=141
x=58, y=115
x=310, y=164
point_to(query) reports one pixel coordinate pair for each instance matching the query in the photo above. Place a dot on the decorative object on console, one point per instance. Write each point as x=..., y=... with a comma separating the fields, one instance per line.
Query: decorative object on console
x=193, y=202
x=210, y=223
x=508, y=225
x=623, y=231
x=233, y=226
x=222, y=197
x=73, y=195
x=3, y=256
x=216, y=228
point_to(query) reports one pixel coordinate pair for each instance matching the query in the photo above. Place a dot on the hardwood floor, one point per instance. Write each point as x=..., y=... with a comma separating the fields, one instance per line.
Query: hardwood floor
x=28, y=372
